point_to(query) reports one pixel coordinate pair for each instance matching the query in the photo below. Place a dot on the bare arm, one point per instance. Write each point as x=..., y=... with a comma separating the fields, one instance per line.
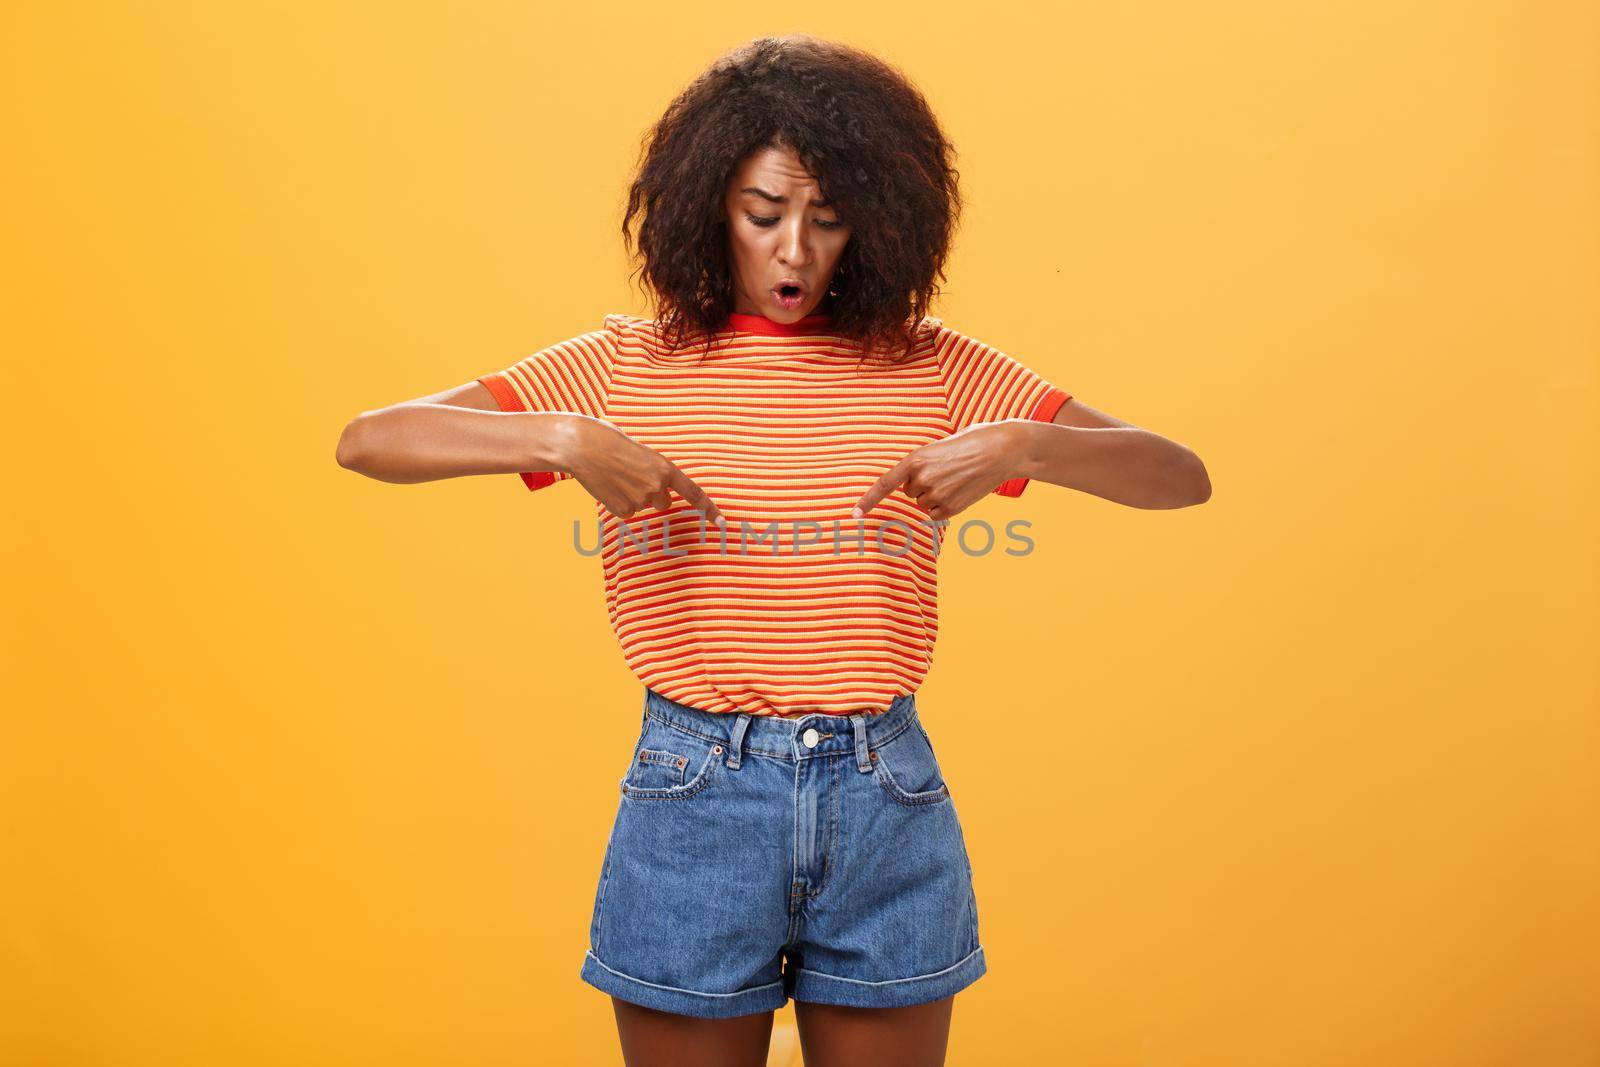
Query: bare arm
x=463, y=431
x=457, y=432
x=1082, y=448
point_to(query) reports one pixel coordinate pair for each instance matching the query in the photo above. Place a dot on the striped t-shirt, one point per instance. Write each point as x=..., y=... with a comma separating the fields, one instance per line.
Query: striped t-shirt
x=793, y=606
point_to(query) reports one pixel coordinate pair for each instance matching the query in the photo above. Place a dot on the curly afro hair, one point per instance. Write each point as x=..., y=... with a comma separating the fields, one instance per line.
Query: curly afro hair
x=867, y=136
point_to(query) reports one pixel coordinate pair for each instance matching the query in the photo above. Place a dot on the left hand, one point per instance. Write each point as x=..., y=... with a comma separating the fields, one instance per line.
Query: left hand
x=947, y=476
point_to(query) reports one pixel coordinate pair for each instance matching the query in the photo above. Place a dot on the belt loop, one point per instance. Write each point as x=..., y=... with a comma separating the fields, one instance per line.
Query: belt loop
x=863, y=762
x=736, y=741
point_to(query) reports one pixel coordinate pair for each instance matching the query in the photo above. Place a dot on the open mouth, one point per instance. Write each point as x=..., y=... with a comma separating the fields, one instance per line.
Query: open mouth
x=788, y=295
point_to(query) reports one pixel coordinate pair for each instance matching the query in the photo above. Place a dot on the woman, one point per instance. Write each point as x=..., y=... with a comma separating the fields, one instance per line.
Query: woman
x=774, y=456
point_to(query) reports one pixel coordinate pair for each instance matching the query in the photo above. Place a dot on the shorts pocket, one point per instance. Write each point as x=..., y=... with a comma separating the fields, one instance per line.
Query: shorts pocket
x=670, y=764
x=907, y=769
x=655, y=768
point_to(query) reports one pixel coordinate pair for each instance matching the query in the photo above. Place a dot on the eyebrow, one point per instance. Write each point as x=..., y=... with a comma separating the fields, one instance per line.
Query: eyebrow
x=780, y=199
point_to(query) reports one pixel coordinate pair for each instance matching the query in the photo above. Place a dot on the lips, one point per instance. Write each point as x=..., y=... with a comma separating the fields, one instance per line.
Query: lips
x=789, y=294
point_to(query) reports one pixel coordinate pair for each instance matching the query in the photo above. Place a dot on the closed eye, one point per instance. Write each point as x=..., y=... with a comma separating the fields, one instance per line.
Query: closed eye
x=771, y=220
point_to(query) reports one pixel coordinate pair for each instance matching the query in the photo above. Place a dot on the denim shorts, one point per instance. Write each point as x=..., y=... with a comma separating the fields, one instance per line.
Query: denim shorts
x=754, y=859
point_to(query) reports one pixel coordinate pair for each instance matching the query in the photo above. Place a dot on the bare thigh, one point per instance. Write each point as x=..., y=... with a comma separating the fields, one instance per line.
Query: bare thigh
x=652, y=1038
x=916, y=1036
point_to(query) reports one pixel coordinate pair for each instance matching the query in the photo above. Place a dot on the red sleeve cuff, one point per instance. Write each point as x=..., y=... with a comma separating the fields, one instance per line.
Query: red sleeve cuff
x=506, y=397
x=1043, y=411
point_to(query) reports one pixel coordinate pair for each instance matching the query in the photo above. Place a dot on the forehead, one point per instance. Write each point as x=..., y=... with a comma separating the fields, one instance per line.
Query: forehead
x=776, y=170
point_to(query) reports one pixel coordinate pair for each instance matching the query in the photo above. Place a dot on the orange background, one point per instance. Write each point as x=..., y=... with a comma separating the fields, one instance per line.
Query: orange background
x=304, y=768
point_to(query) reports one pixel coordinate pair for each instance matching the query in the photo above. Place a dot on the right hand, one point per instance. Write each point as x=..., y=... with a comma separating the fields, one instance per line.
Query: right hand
x=625, y=476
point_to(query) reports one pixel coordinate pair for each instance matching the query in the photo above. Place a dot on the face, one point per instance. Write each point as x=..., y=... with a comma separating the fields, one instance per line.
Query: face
x=779, y=232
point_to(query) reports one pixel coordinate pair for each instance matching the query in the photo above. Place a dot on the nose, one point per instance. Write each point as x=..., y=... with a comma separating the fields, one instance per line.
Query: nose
x=794, y=250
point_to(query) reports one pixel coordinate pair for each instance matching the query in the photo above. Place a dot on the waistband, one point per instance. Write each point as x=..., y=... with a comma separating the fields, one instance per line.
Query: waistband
x=785, y=737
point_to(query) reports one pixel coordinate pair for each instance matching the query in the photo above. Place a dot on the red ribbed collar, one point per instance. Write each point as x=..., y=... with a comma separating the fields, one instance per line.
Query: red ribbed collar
x=745, y=323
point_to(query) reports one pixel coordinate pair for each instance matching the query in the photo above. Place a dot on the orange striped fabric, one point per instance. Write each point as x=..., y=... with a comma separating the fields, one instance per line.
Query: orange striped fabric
x=795, y=607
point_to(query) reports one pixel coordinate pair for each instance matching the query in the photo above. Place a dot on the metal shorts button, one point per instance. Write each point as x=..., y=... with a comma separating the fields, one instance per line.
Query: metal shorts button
x=810, y=737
